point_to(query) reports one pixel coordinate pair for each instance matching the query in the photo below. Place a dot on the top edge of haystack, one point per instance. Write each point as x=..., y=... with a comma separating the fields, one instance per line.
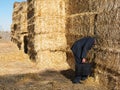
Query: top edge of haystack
x=16, y=4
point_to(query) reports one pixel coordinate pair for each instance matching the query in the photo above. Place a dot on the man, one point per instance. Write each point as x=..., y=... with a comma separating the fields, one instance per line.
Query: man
x=80, y=49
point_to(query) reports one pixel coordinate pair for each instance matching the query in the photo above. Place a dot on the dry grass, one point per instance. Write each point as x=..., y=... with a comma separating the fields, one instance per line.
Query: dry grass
x=47, y=80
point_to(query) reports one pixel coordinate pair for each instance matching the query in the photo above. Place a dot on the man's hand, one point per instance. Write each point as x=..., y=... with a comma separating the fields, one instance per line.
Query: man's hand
x=83, y=60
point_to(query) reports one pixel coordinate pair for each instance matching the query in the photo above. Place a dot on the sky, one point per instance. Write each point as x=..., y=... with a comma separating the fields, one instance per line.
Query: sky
x=6, y=9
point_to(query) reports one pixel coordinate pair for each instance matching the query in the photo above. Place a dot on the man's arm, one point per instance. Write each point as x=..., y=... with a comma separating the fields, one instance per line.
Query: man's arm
x=84, y=52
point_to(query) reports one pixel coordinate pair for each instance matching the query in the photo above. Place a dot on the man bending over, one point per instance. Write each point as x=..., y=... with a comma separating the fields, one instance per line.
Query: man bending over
x=80, y=49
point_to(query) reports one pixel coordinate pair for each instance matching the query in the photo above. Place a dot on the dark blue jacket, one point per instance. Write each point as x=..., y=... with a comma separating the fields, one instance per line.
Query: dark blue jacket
x=81, y=47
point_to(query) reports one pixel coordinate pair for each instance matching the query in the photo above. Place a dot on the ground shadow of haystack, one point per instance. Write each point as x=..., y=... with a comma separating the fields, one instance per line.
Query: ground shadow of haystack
x=36, y=81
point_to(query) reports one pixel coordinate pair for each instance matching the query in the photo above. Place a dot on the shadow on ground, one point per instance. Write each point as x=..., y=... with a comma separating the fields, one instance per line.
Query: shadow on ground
x=33, y=81
x=69, y=74
x=48, y=80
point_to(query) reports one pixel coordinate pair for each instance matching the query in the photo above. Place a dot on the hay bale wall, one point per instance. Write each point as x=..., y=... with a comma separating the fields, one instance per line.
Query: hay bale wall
x=97, y=18
x=108, y=51
x=46, y=27
x=19, y=24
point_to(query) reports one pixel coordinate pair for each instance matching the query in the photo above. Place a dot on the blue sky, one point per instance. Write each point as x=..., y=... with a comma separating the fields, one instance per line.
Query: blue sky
x=6, y=9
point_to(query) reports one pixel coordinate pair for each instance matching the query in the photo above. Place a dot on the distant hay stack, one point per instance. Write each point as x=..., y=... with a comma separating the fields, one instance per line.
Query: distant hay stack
x=19, y=24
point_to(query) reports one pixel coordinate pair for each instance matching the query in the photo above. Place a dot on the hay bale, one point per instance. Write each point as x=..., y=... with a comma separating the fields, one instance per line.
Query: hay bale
x=46, y=25
x=77, y=6
x=49, y=25
x=83, y=6
x=52, y=60
x=107, y=29
x=50, y=8
x=50, y=41
x=103, y=5
x=108, y=59
x=80, y=25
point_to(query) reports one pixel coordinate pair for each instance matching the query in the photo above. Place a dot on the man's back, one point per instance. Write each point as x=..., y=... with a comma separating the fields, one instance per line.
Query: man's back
x=83, y=44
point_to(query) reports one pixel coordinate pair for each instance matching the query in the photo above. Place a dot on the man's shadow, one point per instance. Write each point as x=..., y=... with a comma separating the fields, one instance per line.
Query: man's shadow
x=69, y=74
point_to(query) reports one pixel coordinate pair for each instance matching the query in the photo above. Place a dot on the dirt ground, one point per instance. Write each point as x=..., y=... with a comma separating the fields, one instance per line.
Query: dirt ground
x=17, y=72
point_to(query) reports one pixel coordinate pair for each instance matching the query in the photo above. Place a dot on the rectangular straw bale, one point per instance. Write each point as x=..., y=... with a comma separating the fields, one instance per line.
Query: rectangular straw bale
x=80, y=25
x=103, y=5
x=108, y=59
x=107, y=29
x=77, y=6
x=50, y=41
x=49, y=25
x=50, y=8
x=55, y=60
x=107, y=18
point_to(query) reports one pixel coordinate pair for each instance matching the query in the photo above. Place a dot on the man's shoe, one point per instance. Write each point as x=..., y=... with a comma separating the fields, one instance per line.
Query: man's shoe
x=76, y=80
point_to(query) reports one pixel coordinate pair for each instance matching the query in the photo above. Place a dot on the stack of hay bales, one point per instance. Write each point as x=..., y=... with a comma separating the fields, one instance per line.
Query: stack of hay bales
x=98, y=18
x=107, y=29
x=19, y=25
x=46, y=27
